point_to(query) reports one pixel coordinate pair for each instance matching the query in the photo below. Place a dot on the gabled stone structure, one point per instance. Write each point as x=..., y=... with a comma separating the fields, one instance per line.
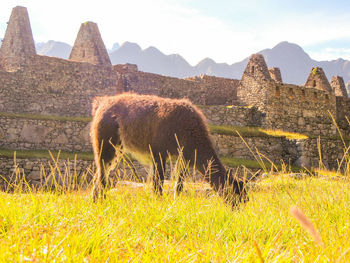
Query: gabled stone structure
x=318, y=80
x=18, y=43
x=252, y=89
x=256, y=69
x=338, y=86
x=275, y=74
x=89, y=47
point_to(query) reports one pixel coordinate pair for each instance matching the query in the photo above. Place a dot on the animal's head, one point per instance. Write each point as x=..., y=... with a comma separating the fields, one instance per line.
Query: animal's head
x=235, y=190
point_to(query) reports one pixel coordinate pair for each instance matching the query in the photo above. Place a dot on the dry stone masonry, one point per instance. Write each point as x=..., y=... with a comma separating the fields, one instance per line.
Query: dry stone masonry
x=41, y=98
x=338, y=86
x=89, y=47
x=18, y=43
x=275, y=74
x=318, y=80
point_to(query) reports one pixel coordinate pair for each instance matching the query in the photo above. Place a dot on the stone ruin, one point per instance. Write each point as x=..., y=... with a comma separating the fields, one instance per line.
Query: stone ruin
x=338, y=86
x=317, y=79
x=89, y=47
x=275, y=74
x=18, y=43
x=34, y=88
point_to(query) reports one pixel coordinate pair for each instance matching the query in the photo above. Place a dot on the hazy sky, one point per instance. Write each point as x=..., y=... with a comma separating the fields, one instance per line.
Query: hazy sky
x=224, y=30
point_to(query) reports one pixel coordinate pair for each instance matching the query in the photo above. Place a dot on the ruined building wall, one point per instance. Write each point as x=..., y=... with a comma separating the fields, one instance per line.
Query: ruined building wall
x=232, y=115
x=18, y=42
x=338, y=86
x=252, y=89
x=343, y=114
x=275, y=74
x=317, y=79
x=204, y=90
x=300, y=109
x=53, y=86
x=89, y=47
x=34, y=134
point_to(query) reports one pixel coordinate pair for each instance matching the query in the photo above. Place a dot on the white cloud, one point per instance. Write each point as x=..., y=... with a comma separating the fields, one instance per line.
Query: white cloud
x=330, y=54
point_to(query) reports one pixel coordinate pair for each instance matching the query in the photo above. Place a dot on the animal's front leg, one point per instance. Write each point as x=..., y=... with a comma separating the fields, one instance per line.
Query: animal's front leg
x=97, y=190
x=158, y=173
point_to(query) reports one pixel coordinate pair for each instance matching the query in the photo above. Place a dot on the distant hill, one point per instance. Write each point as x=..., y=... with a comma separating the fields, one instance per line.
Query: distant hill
x=54, y=49
x=294, y=62
x=152, y=60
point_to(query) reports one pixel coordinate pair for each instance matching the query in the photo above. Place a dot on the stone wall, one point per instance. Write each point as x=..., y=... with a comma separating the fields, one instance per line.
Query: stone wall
x=41, y=171
x=338, y=86
x=233, y=115
x=18, y=42
x=89, y=47
x=275, y=74
x=343, y=113
x=317, y=79
x=252, y=89
x=204, y=90
x=34, y=134
x=299, y=109
x=275, y=149
x=53, y=86
x=332, y=152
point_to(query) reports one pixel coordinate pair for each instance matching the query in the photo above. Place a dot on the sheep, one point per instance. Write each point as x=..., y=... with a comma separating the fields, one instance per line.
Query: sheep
x=152, y=128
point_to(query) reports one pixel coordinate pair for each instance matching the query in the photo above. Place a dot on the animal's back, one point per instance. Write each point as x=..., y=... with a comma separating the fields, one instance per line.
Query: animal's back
x=150, y=122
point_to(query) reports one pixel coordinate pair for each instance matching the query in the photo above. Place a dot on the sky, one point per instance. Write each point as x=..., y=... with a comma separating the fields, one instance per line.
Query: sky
x=224, y=30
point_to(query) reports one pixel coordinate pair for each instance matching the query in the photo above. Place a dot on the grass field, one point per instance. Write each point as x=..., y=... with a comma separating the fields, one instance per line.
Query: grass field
x=133, y=224
x=285, y=220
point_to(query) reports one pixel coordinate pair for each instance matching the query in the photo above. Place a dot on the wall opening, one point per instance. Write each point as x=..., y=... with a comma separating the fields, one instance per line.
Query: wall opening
x=290, y=93
x=314, y=83
x=253, y=69
x=277, y=92
x=303, y=94
x=315, y=96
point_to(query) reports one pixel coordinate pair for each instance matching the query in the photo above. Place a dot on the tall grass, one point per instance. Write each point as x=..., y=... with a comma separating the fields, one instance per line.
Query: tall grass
x=285, y=220
x=133, y=224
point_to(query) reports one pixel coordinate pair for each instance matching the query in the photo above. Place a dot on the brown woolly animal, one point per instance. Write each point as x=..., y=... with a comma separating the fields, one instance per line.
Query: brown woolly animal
x=152, y=128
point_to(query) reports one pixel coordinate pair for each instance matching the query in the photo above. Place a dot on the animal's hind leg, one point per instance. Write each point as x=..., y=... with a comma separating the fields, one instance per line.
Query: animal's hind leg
x=180, y=182
x=159, y=163
x=182, y=170
x=103, y=163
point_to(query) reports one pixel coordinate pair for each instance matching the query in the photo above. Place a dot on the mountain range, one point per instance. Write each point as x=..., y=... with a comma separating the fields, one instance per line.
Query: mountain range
x=295, y=64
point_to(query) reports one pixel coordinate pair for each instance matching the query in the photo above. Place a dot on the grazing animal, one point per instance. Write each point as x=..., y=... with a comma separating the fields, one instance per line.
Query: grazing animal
x=152, y=128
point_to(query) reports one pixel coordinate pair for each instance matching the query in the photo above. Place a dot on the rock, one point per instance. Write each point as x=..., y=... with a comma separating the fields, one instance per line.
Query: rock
x=85, y=134
x=303, y=161
x=34, y=133
x=34, y=175
x=301, y=121
x=61, y=139
x=35, y=107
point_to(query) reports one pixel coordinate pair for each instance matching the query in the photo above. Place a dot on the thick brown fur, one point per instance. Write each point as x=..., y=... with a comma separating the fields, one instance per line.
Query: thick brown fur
x=155, y=127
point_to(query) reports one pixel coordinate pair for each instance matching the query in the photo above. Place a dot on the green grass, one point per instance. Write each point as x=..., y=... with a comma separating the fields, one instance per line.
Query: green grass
x=253, y=164
x=44, y=117
x=254, y=132
x=227, y=160
x=46, y=154
x=133, y=224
